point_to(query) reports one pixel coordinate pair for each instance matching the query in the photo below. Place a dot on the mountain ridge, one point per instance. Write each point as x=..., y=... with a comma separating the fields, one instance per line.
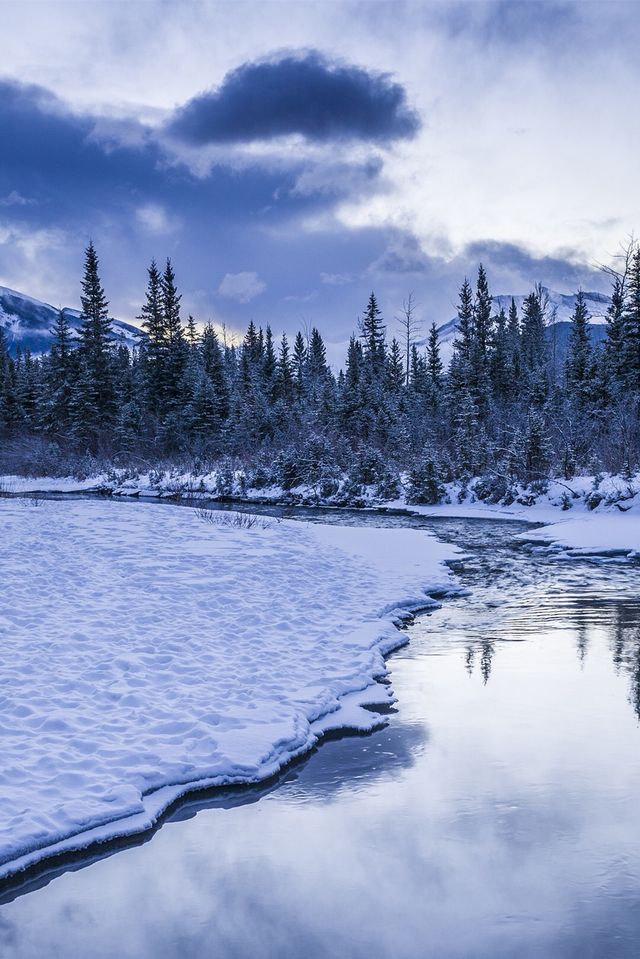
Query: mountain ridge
x=27, y=323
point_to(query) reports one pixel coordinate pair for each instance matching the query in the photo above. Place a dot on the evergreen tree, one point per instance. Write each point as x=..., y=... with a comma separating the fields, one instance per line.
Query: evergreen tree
x=537, y=448
x=284, y=373
x=269, y=365
x=395, y=369
x=435, y=367
x=154, y=350
x=299, y=361
x=59, y=378
x=500, y=358
x=630, y=366
x=95, y=344
x=373, y=338
x=482, y=314
x=579, y=364
x=175, y=346
x=533, y=349
x=192, y=332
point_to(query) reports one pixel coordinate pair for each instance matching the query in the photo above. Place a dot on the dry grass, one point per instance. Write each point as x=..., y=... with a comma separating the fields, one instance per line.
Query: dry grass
x=233, y=519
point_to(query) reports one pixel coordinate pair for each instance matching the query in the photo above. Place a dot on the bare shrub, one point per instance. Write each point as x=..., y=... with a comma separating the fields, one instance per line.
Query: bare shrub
x=234, y=520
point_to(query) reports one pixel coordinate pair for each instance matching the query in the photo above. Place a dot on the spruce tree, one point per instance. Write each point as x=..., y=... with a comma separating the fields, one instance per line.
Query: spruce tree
x=299, y=362
x=60, y=376
x=154, y=353
x=96, y=344
x=435, y=366
x=373, y=338
x=579, y=363
x=395, y=374
x=614, y=343
x=284, y=373
x=630, y=368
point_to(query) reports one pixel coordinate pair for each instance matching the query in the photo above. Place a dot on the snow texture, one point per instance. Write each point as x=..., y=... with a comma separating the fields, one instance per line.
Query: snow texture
x=145, y=652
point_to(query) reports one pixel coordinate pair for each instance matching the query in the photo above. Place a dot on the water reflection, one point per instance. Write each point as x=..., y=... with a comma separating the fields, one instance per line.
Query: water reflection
x=496, y=816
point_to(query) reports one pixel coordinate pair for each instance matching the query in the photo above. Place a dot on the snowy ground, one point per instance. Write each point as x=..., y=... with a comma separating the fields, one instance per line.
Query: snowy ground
x=145, y=651
x=584, y=515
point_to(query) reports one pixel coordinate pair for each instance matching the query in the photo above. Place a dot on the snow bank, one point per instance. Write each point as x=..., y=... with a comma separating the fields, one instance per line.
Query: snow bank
x=146, y=652
x=28, y=485
x=607, y=534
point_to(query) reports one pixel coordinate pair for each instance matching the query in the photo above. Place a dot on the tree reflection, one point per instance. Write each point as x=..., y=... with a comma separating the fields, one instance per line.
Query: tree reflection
x=582, y=644
x=625, y=647
x=486, y=650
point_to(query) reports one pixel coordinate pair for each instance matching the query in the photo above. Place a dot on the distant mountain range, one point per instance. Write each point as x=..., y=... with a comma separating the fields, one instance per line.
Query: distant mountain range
x=560, y=307
x=27, y=323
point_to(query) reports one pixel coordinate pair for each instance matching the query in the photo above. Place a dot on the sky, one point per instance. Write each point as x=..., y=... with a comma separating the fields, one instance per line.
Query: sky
x=290, y=157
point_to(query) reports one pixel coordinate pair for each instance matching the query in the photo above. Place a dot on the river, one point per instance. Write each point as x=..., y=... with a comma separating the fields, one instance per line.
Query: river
x=497, y=815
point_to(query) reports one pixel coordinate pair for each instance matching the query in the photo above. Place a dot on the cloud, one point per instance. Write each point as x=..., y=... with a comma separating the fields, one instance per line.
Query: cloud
x=340, y=177
x=155, y=219
x=242, y=287
x=303, y=94
x=566, y=271
x=402, y=255
x=302, y=297
x=16, y=199
x=336, y=279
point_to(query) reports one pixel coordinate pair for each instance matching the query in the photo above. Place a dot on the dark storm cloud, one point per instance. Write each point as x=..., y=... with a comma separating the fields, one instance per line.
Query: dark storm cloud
x=297, y=94
x=510, y=263
x=77, y=176
x=566, y=272
x=65, y=177
x=72, y=166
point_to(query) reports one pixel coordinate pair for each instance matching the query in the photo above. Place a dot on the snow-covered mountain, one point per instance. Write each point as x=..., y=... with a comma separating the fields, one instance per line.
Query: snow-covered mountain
x=27, y=323
x=560, y=307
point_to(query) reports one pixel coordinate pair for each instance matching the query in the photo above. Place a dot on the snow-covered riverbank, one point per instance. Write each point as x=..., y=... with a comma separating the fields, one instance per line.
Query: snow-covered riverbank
x=147, y=650
x=587, y=514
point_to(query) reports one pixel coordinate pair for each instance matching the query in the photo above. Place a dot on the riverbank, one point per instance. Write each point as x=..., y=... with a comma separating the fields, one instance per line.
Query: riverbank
x=149, y=654
x=587, y=515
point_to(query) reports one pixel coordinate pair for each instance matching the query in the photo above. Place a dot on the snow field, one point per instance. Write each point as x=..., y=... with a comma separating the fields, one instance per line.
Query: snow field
x=144, y=652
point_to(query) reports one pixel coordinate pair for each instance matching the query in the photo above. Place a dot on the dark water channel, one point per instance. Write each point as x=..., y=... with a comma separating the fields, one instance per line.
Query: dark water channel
x=497, y=815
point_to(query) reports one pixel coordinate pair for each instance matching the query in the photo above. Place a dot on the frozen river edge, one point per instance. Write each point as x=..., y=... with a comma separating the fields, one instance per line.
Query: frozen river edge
x=367, y=582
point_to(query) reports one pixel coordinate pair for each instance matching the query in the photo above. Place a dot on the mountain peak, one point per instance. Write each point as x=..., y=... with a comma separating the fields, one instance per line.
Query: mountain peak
x=28, y=322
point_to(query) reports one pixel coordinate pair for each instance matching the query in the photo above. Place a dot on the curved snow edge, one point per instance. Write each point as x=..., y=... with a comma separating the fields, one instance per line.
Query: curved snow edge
x=349, y=714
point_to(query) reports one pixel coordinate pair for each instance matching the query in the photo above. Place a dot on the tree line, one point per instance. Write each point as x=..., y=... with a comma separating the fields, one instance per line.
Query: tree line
x=504, y=410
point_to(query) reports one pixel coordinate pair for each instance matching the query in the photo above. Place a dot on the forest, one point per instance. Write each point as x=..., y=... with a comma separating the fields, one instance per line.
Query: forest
x=505, y=410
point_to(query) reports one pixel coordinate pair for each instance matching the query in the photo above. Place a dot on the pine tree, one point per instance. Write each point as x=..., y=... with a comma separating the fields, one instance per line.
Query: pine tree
x=373, y=338
x=537, y=448
x=299, y=362
x=419, y=373
x=482, y=314
x=631, y=326
x=59, y=378
x=213, y=364
x=463, y=343
x=154, y=350
x=435, y=367
x=500, y=366
x=579, y=364
x=192, y=332
x=269, y=365
x=614, y=344
x=514, y=363
x=317, y=371
x=395, y=374
x=533, y=348
x=95, y=344
x=284, y=374
x=175, y=347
